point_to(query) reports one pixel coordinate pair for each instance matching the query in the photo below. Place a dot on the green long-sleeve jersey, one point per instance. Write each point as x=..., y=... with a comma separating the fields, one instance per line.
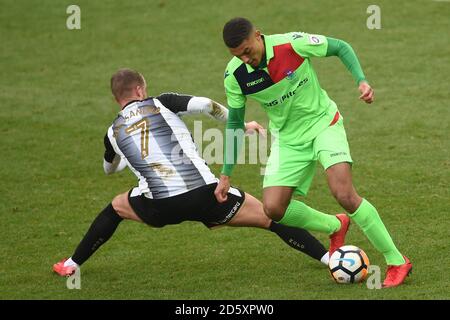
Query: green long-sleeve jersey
x=286, y=86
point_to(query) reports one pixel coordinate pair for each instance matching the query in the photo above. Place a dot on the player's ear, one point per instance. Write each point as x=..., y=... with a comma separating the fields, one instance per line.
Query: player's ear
x=258, y=34
x=144, y=91
x=141, y=92
x=138, y=91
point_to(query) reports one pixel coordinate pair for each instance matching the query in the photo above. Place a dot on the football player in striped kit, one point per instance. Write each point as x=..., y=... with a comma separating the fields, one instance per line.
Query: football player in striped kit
x=175, y=183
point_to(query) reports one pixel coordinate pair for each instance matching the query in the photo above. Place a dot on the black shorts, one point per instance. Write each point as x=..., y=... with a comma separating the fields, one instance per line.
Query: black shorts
x=196, y=205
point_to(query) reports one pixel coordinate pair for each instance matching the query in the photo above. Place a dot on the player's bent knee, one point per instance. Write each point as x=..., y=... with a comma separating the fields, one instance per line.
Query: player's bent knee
x=265, y=222
x=116, y=203
x=120, y=206
x=274, y=210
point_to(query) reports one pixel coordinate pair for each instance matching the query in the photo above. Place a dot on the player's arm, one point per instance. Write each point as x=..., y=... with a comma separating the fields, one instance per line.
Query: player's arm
x=311, y=45
x=217, y=111
x=207, y=106
x=234, y=134
x=346, y=54
x=186, y=104
x=112, y=162
x=234, y=137
x=182, y=104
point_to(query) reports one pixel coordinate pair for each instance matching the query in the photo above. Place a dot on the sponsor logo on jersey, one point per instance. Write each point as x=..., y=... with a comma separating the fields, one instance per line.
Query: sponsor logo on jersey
x=338, y=154
x=254, y=83
x=286, y=96
x=230, y=214
x=226, y=74
x=235, y=208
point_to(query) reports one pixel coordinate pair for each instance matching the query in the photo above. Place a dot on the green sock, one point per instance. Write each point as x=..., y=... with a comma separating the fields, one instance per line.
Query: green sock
x=367, y=218
x=300, y=215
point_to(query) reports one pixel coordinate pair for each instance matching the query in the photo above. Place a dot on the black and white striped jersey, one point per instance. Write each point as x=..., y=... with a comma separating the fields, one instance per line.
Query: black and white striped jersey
x=158, y=147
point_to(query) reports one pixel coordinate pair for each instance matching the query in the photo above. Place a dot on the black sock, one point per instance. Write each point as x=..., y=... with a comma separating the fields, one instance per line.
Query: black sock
x=100, y=231
x=299, y=239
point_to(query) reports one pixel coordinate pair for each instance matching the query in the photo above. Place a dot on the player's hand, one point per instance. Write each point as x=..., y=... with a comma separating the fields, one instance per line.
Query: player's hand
x=253, y=126
x=222, y=188
x=366, y=92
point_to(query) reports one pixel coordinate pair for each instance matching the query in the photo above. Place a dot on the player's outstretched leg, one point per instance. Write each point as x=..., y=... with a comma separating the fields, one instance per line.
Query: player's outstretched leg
x=279, y=206
x=102, y=228
x=252, y=215
x=364, y=214
x=301, y=240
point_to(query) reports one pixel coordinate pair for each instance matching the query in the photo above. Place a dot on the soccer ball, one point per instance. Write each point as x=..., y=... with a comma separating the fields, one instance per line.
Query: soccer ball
x=348, y=264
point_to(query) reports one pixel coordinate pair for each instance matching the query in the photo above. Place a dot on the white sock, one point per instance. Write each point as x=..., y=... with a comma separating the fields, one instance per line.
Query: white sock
x=326, y=258
x=70, y=263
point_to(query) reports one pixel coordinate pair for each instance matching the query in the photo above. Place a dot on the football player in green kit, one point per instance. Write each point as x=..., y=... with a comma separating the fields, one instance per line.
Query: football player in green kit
x=276, y=71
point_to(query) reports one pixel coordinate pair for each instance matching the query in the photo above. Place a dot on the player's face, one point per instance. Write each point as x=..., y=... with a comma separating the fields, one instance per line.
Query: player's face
x=251, y=50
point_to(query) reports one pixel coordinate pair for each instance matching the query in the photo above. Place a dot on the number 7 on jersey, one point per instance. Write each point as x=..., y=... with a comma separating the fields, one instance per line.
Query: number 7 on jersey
x=144, y=126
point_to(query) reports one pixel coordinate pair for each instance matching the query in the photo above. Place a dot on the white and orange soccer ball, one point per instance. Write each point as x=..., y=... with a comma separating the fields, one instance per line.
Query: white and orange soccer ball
x=348, y=264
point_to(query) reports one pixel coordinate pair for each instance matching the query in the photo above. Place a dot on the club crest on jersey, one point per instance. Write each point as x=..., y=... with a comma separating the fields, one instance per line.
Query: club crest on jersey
x=291, y=75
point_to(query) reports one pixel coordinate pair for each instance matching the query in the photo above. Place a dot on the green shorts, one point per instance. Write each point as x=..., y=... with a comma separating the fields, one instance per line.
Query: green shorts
x=295, y=166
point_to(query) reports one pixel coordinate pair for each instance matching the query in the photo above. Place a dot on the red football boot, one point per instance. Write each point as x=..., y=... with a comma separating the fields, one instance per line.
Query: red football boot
x=64, y=271
x=395, y=275
x=337, y=239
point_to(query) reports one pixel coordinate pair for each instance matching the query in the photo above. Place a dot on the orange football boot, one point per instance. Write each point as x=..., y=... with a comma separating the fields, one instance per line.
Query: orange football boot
x=395, y=275
x=63, y=271
x=337, y=239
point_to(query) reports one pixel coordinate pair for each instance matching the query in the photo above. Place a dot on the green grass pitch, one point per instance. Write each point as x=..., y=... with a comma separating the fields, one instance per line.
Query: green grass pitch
x=56, y=106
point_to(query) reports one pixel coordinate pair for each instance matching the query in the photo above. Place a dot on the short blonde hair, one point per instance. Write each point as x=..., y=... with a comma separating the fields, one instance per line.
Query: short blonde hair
x=124, y=81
